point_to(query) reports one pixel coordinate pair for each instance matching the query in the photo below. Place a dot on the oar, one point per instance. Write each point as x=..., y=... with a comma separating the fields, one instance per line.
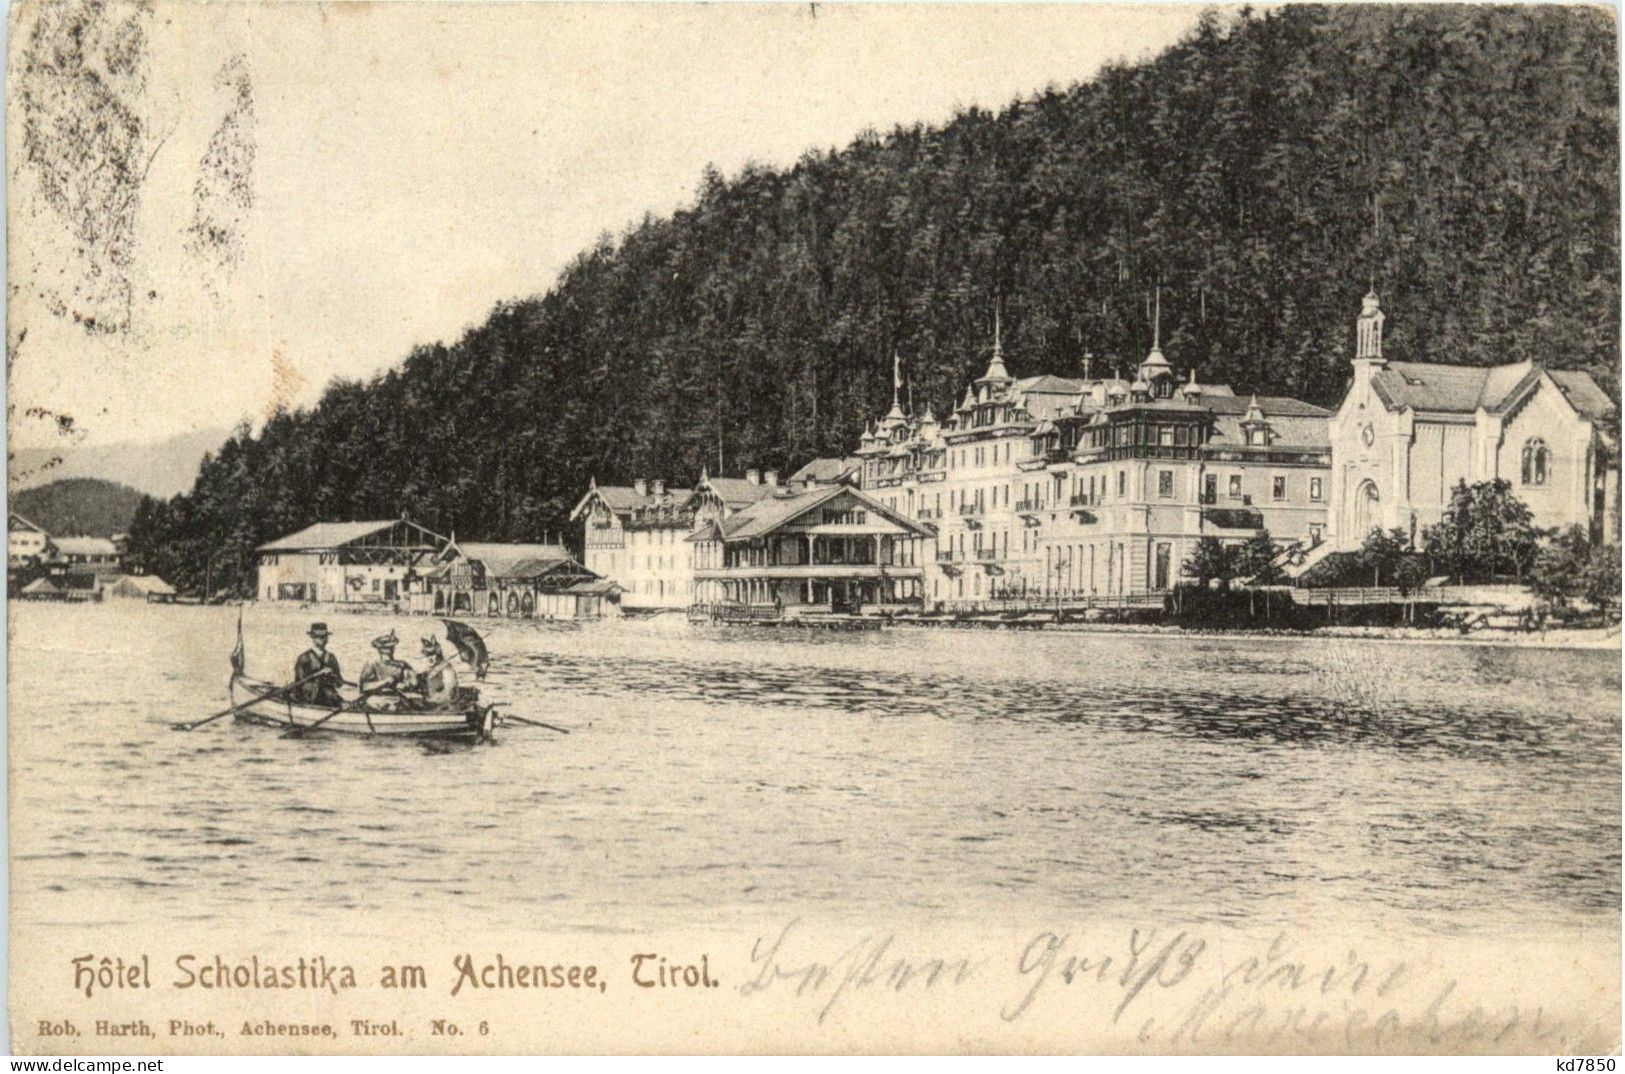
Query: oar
x=537, y=723
x=349, y=706
x=273, y=695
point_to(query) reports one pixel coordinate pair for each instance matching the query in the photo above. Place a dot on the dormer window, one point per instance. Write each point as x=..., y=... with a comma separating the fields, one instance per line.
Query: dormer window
x=1259, y=437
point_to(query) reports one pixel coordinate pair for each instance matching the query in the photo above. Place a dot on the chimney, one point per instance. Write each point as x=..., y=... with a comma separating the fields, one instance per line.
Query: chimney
x=753, y=476
x=771, y=478
x=640, y=486
x=660, y=487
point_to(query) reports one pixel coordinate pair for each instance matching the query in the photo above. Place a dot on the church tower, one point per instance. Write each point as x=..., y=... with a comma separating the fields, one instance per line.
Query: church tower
x=1368, y=333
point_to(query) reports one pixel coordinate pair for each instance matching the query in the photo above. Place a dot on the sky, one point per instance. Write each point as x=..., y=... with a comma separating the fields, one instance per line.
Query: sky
x=399, y=169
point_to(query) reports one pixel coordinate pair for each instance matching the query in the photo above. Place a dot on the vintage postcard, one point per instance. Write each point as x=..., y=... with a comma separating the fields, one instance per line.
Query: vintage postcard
x=559, y=528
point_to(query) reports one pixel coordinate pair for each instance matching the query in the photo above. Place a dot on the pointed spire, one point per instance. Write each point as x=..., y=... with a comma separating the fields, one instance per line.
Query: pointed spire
x=1156, y=322
x=1255, y=413
x=895, y=414
x=995, y=365
x=1155, y=365
x=1192, y=390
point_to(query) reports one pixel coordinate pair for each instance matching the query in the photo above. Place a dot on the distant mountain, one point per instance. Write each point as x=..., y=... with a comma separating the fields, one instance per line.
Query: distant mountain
x=161, y=468
x=79, y=507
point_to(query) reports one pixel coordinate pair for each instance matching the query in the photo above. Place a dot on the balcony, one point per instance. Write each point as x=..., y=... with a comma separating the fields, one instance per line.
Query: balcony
x=945, y=555
x=925, y=514
x=1083, y=499
x=1029, y=505
x=986, y=554
x=969, y=509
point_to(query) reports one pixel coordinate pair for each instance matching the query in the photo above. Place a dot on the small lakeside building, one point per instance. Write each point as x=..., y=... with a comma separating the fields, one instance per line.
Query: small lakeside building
x=516, y=581
x=377, y=562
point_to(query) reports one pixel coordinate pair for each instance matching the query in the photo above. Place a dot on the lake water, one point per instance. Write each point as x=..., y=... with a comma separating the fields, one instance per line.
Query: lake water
x=943, y=774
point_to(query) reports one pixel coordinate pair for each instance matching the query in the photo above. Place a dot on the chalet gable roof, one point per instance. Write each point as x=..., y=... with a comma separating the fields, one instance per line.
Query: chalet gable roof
x=624, y=499
x=324, y=536
x=18, y=522
x=766, y=516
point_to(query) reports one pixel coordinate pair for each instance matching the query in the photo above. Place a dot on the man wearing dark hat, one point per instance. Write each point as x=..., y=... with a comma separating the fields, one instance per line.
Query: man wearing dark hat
x=316, y=661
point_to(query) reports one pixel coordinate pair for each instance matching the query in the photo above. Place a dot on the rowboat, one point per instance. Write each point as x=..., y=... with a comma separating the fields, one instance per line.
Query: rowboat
x=391, y=717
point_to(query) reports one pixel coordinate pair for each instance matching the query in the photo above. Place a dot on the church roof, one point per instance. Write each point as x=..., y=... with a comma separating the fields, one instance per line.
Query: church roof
x=1466, y=389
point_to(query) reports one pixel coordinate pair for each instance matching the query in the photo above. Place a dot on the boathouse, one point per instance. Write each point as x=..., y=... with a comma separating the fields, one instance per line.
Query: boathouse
x=377, y=562
x=521, y=581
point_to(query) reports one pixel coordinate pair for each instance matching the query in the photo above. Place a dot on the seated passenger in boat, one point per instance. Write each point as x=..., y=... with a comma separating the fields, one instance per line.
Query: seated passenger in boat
x=439, y=683
x=385, y=674
x=320, y=668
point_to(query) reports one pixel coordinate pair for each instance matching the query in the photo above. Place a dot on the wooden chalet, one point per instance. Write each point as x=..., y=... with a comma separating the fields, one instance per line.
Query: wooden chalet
x=523, y=581
x=378, y=562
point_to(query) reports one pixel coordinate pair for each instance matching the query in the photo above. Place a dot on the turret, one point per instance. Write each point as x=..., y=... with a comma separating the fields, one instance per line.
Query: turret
x=1193, y=390
x=1368, y=332
x=1255, y=425
x=995, y=366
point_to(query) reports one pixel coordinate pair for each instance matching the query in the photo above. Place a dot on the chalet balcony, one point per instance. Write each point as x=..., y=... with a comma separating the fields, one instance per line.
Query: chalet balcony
x=816, y=571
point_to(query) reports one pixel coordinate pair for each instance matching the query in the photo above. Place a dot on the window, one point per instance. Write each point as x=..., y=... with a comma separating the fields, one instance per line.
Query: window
x=1122, y=483
x=1258, y=437
x=1210, y=488
x=1278, y=487
x=1235, y=484
x=1314, y=488
x=1165, y=484
x=1165, y=436
x=1537, y=460
x=1181, y=436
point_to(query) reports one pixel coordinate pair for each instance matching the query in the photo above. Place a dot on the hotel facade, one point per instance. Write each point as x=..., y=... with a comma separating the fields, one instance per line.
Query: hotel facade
x=1072, y=490
x=1085, y=491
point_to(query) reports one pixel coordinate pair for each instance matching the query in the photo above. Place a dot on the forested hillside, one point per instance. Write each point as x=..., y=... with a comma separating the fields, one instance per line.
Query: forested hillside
x=1266, y=171
x=79, y=507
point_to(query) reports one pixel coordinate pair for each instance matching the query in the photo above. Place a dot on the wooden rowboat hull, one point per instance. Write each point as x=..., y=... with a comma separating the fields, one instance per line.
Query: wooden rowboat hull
x=463, y=722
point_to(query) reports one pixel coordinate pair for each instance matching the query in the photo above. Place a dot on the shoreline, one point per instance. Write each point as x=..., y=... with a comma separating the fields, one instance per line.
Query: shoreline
x=1582, y=638
x=1598, y=639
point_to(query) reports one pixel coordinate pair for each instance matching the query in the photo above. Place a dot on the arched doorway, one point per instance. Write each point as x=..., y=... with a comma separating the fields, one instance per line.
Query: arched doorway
x=513, y=603
x=1366, y=502
x=493, y=606
x=527, y=604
